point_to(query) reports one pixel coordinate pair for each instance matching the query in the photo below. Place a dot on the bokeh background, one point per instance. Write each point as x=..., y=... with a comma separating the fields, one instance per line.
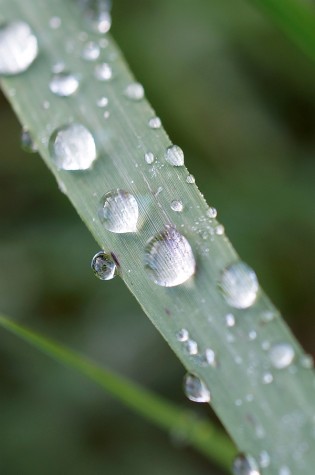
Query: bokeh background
x=239, y=98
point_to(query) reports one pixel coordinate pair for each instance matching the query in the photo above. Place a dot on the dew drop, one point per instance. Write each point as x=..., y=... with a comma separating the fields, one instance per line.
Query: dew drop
x=306, y=361
x=212, y=212
x=219, y=230
x=72, y=147
x=106, y=114
x=264, y=459
x=63, y=84
x=191, y=347
x=177, y=206
x=27, y=143
x=182, y=335
x=103, y=72
x=55, y=22
x=195, y=389
x=281, y=355
x=134, y=91
x=149, y=158
x=155, y=123
x=119, y=211
x=267, y=378
x=97, y=14
x=169, y=259
x=284, y=471
x=174, y=156
x=103, y=266
x=239, y=285
x=91, y=51
x=245, y=465
x=190, y=179
x=210, y=357
x=230, y=320
x=102, y=102
x=18, y=47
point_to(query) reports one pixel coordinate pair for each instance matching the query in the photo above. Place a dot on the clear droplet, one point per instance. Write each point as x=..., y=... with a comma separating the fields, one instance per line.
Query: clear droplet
x=190, y=179
x=91, y=51
x=177, y=206
x=134, y=91
x=149, y=158
x=306, y=361
x=103, y=72
x=169, y=259
x=97, y=14
x=102, y=102
x=27, y=143
x=72, y=147
x=155, y=123
x=119, y=211
x=106, y=115
x=182, y=335
x=281, y=355
x=245, y=465
x=264, y=459
x=103, y=266
x=267, y=378
x=195, y=389
x=219, y=230
x=210, y=357
x=55, y=22
x=284, y=471
x=63, y=84
x=239, y=285
x=191, y=347
x=175, y=156
x=230, y=320
x=212, y=212
x=18, y=47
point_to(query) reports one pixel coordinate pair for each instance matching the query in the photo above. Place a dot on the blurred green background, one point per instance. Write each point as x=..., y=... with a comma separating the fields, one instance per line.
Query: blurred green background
x=239, y=98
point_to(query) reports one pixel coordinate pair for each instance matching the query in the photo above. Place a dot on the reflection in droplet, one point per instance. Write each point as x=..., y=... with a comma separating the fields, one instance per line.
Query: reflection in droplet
x=103, y=266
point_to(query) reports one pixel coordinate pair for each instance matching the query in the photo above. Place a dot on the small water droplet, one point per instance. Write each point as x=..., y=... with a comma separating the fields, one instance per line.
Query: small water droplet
x=307, y=361
x=284, y=471
x=182, y=335
x=106, y=114
x=72, y=147
x=91, y=51
x=102, y=102
x=27, y=143
x=245, y=465
x=103, y=72
x=54, y=22
x=18, y=47
x=281, y=355
x=239, y=285
x=175, y=156
x=210, y=357
x=252, y=335
x=149, y=158
x=230, y=320
x=267, y=378
x=212, y=212
x=191, y=347
x=63, y=84
x=177, y=206
x=169, y=259
x=97, y=14
x=190, y=179
x=104, y=266
x=195, y=389
x=264, y=459
x=219, y=230
x=155, y=123
x=119, y=211
x=134, y=91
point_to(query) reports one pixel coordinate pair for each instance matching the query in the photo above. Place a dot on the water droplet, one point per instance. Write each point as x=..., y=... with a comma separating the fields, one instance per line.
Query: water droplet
x=91, y=51
x=245, y=465
x=284, y=471
x=63, y=84
x=175, y=156
x=307, y=361
x=155, y=123
x=281, y=355
x=102, y=102
x=177, y=206
x=252, y=335
x=190, y=179
x=212, y=212
x=149, y=158
x=27, y=143
x=239, y=285
x=182, y=335
x=191, y=347
x=267, y=378
x=103, y=72
x=230, y=320
x=18, y=47
x=119, y=211
x=264, y=459
x=169, y=259
x=210, y=357
x=97, y=14
x=195, y=389
x=104, y=266
x=72, y=147
x=46, y=105
x=54, y=22
x=134, y=91
x=106, y=114
x=219, y=229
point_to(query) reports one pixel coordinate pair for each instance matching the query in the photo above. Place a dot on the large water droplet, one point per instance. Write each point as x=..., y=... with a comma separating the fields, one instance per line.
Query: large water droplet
x=119, y=211
x=103, y=72
x=245, y=465
x=281, y=355
x=195, y=389
x=27, y=143
x=103, y=266
x=18, y=47
x=72, y=147
x=239, y=285
x=175, y=156
x=169, y=259
x=134, y=91
x=63, y=84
